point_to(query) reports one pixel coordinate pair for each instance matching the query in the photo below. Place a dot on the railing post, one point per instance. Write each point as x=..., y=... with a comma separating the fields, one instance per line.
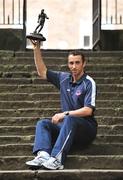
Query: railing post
x=115, y=11
x=106, y=11
x=120, y=19
x=13, y=11
x=3, y=11
x=19, y=11
x=24, y=23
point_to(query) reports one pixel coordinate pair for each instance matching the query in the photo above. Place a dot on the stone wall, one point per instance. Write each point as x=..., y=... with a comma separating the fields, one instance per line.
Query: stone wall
x=112, y=40
x=11, y=39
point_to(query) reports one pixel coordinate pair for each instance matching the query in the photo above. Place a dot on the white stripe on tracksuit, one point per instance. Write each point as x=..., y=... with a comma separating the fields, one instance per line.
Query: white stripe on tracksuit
x=59, y=155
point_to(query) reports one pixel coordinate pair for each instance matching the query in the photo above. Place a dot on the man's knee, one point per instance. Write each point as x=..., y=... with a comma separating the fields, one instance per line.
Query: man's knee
x=43, y=122
x=69, y=119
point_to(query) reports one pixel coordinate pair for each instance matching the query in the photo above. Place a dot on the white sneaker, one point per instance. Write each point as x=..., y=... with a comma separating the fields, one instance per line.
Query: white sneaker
x=53, y=164
x=41, y=157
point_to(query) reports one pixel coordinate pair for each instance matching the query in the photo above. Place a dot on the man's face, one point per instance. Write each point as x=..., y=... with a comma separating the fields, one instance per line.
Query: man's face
x=76, y=65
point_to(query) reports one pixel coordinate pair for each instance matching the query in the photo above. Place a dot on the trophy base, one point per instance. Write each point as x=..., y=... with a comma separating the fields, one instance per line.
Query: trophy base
x=36, y=36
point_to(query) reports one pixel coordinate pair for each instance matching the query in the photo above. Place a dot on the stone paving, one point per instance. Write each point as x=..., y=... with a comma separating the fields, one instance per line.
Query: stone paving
x=24, y=98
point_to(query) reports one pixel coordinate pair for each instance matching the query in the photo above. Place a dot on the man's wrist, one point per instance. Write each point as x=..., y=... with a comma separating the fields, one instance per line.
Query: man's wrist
x=66, y=113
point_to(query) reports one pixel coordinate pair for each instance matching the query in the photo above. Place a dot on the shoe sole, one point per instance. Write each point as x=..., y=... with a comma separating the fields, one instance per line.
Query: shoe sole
x=59, y=168
x=35, y=167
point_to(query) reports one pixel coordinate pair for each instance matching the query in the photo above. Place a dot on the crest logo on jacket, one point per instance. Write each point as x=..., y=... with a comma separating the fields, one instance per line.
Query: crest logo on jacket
x=78, y=92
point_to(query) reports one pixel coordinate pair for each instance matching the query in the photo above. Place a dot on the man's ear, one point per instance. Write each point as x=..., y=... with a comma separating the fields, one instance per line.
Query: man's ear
x=84, y=64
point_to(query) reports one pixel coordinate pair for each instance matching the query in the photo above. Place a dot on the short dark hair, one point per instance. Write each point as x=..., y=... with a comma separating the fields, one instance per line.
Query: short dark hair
x=76, y=53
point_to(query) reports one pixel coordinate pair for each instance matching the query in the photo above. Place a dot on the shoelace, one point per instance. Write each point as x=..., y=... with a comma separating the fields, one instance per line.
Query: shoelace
x=40, y=158
x=37, y=157
x=53, y=161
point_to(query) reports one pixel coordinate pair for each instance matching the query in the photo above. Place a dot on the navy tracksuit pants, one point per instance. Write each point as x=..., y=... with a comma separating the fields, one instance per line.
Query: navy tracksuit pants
x=57, y=139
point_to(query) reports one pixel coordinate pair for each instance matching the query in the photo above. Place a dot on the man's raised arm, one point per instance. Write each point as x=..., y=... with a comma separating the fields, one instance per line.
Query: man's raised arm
x=40, y=65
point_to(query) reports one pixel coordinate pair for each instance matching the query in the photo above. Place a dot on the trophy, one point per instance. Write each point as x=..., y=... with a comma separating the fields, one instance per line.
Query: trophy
x=36, y=35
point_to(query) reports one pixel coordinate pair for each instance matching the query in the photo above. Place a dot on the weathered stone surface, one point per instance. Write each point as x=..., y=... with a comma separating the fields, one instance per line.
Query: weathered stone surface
x=29, y=130
x=30, y=121
x=25, y=98
x=53, y=103
x=25, y=149
x=22, y=139
x=48, y=112
x=75, y=174
x=73, y=162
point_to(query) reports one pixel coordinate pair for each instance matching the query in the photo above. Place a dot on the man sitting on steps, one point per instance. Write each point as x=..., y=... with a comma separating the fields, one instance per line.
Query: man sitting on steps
x=77, y=95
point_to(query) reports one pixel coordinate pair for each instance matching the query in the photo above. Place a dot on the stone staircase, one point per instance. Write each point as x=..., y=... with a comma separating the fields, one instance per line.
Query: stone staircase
x=24, y=98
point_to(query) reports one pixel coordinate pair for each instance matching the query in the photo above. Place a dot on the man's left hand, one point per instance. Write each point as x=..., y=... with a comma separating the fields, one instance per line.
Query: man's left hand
x=58, y=117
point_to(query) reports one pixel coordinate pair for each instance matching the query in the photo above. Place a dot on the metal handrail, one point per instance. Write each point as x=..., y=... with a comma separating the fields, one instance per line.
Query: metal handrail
x=15, y=14
x=113, y=18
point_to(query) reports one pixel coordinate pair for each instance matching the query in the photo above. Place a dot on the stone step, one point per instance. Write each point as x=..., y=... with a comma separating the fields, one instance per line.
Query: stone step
x=59, y=60
x=33, y=74
x=36, y=88
x=31, y=104
x=54, y=104
x=18, y=119
x=64, y=53
x=116, y=138
x=27, y=88
x=29, y=96
x=20, y=139
x=48, y=112
x=109, y=87
x=29, y=121
x=105, y=74
x=94, y=149
x=47, y=53
x=105, y=60
x=72, y=162
x=6, y=53
x=103, y=80
x=61, y=67
x=52, y=63
x=30, y=130
x=109, y=111
x=17, y=130
x=8, y=96
x=109, y=95
x=110, y=129
x=109, y=103
x=109, y=120
x=28, y=112
x=73, y=174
